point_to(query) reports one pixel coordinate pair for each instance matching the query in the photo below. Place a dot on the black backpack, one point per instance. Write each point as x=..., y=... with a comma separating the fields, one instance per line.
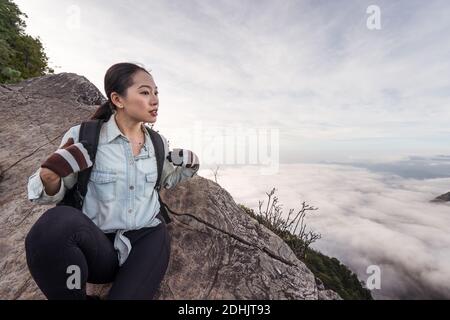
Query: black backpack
x=90, y=133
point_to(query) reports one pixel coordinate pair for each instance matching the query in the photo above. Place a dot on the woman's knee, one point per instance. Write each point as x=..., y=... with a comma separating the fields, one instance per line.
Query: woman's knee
x=53, y=224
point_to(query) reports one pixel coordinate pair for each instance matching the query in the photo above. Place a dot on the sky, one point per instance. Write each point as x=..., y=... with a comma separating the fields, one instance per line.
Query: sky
x=313, y=70
x=301, y=95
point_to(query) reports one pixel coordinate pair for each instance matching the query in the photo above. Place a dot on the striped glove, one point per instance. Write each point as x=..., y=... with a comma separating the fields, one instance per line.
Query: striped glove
x=184, y=158
x=68, y=159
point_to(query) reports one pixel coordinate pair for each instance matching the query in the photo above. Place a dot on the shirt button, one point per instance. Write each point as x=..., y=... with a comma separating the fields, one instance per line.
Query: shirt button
x=131, y=187
x=130, y=210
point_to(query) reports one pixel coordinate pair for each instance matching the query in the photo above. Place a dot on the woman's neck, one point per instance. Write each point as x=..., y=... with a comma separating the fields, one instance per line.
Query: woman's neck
x=128, y=127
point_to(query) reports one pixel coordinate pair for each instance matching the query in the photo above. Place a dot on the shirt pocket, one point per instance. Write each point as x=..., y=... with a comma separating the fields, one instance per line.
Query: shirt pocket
x=104, y=184
x=149, y=184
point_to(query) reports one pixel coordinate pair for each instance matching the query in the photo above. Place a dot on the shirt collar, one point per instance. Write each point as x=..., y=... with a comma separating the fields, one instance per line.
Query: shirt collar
x=113, y=131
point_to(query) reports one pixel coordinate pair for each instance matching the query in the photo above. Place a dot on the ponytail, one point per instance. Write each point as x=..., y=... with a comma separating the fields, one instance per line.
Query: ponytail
x=105, y=111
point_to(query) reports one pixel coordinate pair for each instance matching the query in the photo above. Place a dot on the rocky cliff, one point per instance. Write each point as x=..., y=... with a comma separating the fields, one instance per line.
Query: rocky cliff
x=218, y=251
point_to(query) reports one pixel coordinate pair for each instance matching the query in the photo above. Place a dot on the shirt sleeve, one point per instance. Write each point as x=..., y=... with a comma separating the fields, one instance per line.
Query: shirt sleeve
x=172, y=175
x=35, y=186
x=36, y=190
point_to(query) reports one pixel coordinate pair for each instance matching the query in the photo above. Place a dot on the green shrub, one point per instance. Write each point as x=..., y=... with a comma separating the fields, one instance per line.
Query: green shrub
x=333, y=274
x=21, y=56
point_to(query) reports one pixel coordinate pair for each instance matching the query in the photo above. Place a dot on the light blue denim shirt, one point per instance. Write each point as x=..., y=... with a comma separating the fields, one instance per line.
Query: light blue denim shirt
x=120, y=193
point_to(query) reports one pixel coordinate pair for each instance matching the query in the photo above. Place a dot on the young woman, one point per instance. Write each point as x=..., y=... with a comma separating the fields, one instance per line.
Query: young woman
x=119, y=235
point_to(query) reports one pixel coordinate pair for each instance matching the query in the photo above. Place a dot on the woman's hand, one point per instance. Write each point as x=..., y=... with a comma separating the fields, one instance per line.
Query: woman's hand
x=50, y=180
x=184, y=158
x=48, y=175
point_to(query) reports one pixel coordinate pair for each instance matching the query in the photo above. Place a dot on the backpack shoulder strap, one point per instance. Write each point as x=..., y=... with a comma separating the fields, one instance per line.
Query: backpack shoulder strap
x=89, y=134
x=158, y=145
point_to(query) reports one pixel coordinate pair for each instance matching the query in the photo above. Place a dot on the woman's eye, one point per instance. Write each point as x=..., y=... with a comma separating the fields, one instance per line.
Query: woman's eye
x=146, y=92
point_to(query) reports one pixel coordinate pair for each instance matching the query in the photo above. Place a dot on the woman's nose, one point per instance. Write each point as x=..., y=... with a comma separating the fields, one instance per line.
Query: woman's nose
x=154, y=100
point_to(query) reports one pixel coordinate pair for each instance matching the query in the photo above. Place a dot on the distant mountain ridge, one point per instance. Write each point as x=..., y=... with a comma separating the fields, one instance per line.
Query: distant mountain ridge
x=442, y=198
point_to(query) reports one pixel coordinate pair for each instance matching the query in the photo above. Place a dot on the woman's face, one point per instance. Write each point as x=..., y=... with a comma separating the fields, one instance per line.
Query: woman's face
x=141, y=102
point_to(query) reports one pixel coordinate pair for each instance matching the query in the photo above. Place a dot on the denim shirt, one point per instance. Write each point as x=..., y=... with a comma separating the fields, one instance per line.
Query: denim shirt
x=120, y=192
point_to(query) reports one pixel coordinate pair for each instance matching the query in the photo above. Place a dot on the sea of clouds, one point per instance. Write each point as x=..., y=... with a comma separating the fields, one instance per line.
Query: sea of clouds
x=367, y=216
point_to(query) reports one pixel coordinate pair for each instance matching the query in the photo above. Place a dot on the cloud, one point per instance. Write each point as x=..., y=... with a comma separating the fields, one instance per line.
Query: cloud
x=366, y=218
x=310, y=68
x=417, y=167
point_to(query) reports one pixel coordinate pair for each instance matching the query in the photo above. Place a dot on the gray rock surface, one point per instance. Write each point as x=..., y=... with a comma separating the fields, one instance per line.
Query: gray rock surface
x=442, y=198
x=218, y=251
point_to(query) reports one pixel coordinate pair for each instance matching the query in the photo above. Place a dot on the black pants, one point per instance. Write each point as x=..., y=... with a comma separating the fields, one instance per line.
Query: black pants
x=63, y=236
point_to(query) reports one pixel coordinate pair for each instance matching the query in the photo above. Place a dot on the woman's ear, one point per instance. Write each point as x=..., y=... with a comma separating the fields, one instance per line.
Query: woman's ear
x=116, y=100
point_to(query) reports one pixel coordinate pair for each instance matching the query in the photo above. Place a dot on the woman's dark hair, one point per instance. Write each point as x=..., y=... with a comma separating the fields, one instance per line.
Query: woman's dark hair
x=118, y=78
